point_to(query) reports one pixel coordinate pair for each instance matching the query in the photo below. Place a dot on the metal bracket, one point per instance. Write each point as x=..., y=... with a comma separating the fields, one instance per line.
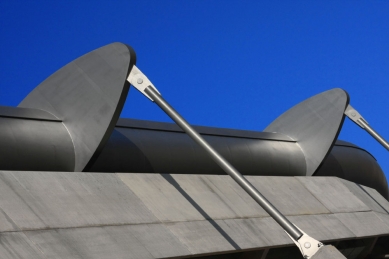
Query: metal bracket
x=355, y=116
x=140, y=81
x=308, y=245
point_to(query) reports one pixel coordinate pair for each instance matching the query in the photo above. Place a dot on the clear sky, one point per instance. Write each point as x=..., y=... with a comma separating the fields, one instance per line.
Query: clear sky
x=233, y=64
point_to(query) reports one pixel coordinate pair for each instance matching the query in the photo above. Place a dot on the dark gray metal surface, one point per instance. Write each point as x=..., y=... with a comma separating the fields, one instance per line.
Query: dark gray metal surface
x=315, y=124
x=88, y=94
x=354, y=164
x=171, y=127
x=32, y=145
x=156, y=149
x=24, y=113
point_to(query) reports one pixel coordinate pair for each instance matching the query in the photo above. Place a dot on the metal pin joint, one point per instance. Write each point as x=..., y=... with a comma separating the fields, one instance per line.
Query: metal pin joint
x=308, y=245
x=355, y=116
x=140, y=81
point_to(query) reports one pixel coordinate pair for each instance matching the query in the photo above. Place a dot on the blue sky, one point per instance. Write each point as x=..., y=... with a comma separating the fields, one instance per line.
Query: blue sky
x=233, y=64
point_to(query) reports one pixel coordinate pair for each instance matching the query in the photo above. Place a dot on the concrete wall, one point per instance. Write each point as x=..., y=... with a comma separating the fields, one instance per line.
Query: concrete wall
x=108, y=215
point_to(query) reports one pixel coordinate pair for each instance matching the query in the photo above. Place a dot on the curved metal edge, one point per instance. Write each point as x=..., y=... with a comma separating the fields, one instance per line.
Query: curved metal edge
x=342, y=143
x=110, y=128
x=88, y=95
x=116, y=114
x=315, y=124
x=27, y=113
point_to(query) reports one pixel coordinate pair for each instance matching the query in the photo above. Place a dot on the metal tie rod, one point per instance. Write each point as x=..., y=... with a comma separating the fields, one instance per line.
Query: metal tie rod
x=307, y=245
x=361, y=122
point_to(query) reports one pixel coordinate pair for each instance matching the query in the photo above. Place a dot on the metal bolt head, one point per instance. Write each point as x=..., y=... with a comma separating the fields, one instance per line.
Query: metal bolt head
x=353, y=114
x=307, y=245
x=139, y=81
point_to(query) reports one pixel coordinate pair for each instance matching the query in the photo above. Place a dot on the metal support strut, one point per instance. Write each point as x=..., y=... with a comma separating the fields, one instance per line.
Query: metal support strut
x=361, y=122
x=307, y=245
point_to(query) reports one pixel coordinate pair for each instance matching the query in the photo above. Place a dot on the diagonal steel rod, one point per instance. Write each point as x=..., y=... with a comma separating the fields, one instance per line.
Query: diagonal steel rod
x=356, y=117
x=294, y=232
x=374, y=134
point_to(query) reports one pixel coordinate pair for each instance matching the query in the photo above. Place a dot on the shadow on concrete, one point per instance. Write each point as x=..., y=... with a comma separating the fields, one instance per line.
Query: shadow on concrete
x=173, y=182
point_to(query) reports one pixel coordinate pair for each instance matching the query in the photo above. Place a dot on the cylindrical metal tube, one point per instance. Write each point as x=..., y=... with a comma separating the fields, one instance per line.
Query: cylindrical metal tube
x=227, y=167
x=33, y=144
x=374, y=134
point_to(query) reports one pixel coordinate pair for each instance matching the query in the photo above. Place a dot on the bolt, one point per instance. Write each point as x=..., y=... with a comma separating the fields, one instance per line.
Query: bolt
x=307, y=245
x=353, y=114
x=139, y=81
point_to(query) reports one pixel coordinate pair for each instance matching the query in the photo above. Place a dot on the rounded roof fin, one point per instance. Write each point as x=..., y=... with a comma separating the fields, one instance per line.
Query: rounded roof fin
x=315, y=124
x=88, y=95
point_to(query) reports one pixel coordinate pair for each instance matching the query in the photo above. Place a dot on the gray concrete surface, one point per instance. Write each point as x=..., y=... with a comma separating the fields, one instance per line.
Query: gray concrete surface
x=376, y=197
x=328, y=191
x=384, y=217
x=368, y=196
x=42, y=200
x=128, y=241
x=328, y=252
x=101, y=215
x=363, y=224
x=288, y=195
x=324, y=227
x=17, y=245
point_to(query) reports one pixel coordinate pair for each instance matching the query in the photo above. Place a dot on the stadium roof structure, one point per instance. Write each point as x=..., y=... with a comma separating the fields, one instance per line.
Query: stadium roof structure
x=77, y=181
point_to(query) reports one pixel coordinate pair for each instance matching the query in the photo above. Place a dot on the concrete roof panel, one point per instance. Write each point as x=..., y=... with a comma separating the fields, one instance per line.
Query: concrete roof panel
x=17, y=245
x=63, y=199
x=363, y=224
x=333, y=194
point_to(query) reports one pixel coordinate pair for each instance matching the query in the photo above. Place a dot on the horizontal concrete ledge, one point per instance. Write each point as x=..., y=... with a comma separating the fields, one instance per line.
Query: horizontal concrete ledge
x=119, y=215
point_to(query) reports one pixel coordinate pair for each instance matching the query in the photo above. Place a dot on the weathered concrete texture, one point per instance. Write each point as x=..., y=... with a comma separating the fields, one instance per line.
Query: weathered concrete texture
x=376, y=197
x=333, y=194
x=368, y=196
x=363, y=224
x=383, y=216
x=328, y=252
x=261, y=231
x=6, y=223
x=17, y=245
x=130, y=241
x=288, y=195
x=101, y=215
x=161, y=198
x=324, y=227
x=179, y=198
x=202, y=236
x=40, y=200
